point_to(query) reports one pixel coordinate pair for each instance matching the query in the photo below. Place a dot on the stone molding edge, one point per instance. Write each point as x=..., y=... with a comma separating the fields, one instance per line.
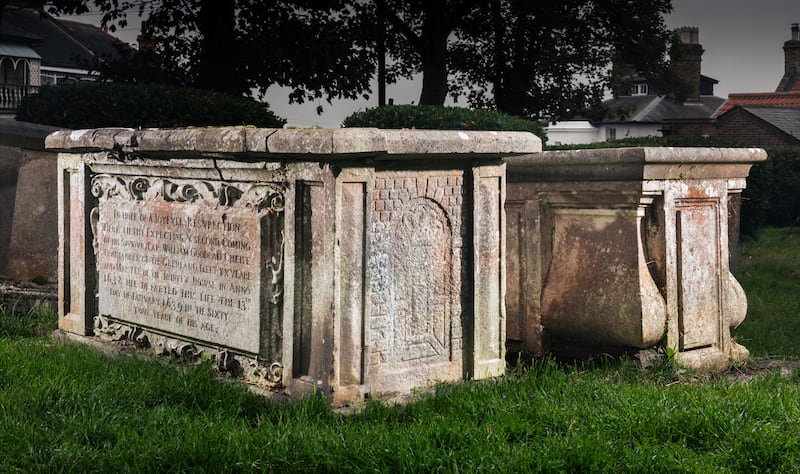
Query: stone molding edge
x=251, y=369
x=305, y=141
x=639, y=155
x=640, y=163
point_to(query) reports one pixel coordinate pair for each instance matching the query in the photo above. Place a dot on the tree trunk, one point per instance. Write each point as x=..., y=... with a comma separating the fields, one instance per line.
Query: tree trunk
x=218, y=60
x=381, y=51
x=436, y=27
x=513, y=91
x=498, y=25
x=434, y=75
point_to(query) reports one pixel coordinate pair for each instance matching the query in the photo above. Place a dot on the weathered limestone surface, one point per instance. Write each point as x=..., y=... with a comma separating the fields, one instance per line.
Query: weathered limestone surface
x=359, y=262
x=625, y=247
x=31, y=249
x=21, y=297
x=9, y=169
x=27, y=217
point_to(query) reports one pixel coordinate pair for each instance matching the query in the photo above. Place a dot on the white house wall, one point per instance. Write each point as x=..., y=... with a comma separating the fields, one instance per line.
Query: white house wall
x=631, y=130
x=580, y=132
x=573, y=132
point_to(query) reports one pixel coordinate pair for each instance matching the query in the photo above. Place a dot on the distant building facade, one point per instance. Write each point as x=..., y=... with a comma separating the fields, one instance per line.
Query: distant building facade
x=37, y=49
x=641, y=111
x=756, y=119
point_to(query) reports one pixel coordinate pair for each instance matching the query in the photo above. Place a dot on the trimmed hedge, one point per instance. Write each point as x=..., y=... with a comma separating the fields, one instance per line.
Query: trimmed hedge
x=103, y=104
x=655, y=141
x=432, y=117
x=772, y=196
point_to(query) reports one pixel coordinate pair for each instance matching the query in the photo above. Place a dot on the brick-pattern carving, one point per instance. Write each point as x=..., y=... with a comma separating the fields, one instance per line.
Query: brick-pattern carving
x=416, y=265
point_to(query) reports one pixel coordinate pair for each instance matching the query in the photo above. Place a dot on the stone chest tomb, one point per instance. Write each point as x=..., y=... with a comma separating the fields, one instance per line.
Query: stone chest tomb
x=356, y=262
x=626, y=247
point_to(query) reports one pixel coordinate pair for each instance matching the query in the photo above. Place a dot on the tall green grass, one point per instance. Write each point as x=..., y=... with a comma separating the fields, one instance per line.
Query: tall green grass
x=36, y=321
x=769, y=271
x=68, y=408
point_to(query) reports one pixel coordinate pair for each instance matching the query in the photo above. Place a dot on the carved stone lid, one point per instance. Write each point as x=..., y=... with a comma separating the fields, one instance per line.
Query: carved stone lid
x=299, y=143
x=614, y=164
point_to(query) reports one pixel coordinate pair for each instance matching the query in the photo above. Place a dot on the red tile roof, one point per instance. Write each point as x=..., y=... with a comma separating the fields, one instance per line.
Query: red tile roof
x=789, y=99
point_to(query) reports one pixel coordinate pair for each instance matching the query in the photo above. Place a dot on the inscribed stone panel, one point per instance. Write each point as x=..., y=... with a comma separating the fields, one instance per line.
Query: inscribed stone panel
x=188, y=258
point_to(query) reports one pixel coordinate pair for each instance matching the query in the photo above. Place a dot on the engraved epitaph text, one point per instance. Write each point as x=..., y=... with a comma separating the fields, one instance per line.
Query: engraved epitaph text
x=190, y=267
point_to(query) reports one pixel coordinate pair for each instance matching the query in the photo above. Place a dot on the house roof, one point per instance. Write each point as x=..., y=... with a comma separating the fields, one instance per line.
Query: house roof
x=655, y=109
x=761, y=99
x=711, y=80
x=93, y=38
x=18, y=51
x=60, y=43
x=787, y=119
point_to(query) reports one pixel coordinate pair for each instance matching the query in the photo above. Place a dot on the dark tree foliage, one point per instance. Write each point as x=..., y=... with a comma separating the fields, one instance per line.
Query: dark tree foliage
x=239, y=46
x=434, y=117
x=551, y=58
x=417, y=38
x=548, y=58
x=105, y=104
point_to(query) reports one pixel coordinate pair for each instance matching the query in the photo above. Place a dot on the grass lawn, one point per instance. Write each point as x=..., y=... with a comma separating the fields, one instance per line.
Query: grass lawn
x=70, y=409
x=769, y=271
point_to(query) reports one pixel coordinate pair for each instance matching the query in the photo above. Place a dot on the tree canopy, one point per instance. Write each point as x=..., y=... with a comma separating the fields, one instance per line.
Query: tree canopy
x=239, y=46
x=534, y=59
x=552, y=57
x=549, y=58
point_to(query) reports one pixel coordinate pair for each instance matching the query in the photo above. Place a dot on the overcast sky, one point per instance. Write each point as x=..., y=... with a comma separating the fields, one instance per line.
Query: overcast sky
x=742, y=41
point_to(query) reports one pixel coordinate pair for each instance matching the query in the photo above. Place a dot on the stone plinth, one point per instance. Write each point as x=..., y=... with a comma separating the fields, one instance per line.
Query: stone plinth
x=356, y=262
x=625, y=247
x=31, y=250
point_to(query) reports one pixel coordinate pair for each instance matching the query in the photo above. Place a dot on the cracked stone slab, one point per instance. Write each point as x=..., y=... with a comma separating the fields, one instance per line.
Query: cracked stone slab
x=299, y=142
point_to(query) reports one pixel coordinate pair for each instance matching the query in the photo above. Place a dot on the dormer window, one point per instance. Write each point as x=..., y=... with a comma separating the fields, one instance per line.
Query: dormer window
x=639, y=89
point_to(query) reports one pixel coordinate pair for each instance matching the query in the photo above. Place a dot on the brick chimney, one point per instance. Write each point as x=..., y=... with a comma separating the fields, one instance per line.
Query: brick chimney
x=791, y=52
x=688, y=59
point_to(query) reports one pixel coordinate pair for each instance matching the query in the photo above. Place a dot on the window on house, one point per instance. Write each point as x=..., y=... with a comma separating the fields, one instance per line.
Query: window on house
x=611, y=134
x=51, y=78
x=639, y=89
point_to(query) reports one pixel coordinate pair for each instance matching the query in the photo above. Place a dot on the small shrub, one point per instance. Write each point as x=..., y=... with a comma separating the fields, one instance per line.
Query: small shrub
x=102, y=104
x=654, y=141
x=433, y=117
